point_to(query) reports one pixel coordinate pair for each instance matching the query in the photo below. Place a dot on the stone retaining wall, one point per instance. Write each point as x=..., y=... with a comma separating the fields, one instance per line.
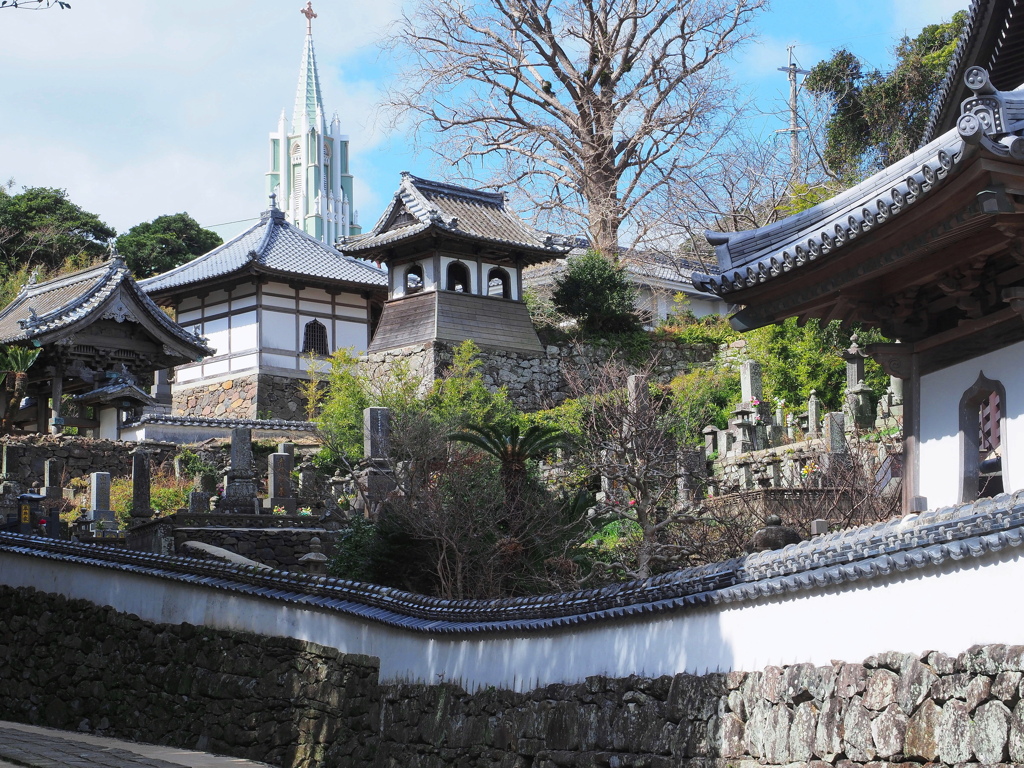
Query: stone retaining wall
x=534, y=382
x=234, y=398
x=70, y=664
x=81, y=456
x=276, y=547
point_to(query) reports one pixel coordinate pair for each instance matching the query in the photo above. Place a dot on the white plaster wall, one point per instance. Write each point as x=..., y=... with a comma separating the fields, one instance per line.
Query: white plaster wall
x=940, y=422
x=904, y=612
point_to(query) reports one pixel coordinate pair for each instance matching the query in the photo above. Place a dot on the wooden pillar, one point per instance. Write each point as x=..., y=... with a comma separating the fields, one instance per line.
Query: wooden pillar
x=913, y=501
x=56, y=393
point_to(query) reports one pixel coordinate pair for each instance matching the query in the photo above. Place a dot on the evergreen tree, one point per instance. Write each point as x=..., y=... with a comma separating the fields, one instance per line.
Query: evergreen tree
x=879, y=118
x=41, y=227
x=164, y=243
x=598, y=294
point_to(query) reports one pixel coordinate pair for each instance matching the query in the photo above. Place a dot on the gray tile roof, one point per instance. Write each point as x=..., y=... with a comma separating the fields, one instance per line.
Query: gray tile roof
x=925, y=544
x=42, y=310
x=642, y=267
x=420, y=205
x=993, y=39
x=758, y=255
x=275, y=246
x=116, y=391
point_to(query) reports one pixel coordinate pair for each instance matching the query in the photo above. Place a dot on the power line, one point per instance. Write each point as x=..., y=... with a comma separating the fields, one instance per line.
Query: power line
x=240, y=221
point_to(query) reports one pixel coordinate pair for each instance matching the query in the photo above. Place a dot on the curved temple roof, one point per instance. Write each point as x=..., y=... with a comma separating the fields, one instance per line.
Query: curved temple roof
x=55, y=307
x=990, y=119
x=275, y=246
x=420, y=204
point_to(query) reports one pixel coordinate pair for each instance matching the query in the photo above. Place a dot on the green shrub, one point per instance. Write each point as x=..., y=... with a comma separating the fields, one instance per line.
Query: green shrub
x=598, y=294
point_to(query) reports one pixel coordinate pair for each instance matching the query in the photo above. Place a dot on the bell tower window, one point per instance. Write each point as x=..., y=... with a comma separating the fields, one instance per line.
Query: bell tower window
x=458, y=278
x=981, y=439
x=499, y=284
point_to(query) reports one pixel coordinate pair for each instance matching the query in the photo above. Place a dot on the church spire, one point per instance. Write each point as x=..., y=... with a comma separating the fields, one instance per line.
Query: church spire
x=307, y=97
x=309, y=169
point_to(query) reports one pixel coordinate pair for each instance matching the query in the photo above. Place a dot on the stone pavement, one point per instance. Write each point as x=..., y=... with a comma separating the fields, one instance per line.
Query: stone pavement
x=34, y=747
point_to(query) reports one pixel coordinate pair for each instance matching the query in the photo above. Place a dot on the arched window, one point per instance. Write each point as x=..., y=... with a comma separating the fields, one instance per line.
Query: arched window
x=414, y=279
x=982, y=453
x=314, y=339
x=458, y=278
x=499, y=283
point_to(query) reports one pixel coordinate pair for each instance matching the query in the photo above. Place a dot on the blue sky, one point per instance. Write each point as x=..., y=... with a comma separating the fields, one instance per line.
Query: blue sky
x=146, y=107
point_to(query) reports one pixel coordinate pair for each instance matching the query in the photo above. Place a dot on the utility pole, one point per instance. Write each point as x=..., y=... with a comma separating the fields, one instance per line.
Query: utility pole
x=794, y=129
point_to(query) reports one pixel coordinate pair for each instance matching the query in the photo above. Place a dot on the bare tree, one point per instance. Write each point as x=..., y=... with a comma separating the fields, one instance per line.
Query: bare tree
x=587, y=107
x=630, y=438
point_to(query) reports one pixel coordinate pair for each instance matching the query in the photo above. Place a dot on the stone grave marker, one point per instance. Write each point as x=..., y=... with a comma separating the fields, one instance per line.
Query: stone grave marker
x=104, y=520
x=279, y=483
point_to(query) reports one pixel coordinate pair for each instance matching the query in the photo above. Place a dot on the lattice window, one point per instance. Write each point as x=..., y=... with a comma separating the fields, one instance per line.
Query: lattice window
x=314, y=339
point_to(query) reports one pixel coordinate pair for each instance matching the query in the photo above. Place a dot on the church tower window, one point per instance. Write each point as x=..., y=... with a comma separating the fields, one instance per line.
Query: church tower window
x=314, y=339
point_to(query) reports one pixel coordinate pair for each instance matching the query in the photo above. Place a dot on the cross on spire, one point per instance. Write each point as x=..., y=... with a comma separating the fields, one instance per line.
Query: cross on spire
x=308, y=13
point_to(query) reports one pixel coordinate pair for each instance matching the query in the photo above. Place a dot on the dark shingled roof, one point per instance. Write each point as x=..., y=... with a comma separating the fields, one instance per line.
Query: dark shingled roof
x=993, y=39
x=273, y=245
x=420, y=204
x=42, y=311
x=758, y=255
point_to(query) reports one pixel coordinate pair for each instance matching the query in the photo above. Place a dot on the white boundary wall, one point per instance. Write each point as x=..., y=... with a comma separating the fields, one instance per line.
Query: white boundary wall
x=946, y=608
x=940, y=422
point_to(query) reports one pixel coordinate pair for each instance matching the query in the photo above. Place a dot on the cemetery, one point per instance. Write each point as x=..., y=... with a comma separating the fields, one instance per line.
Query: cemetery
x=324, y=497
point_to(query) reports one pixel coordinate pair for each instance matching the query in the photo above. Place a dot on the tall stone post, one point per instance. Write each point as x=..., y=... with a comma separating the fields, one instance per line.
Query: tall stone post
x=376, y=481
x=141, y=505
x=813, y=415
x=750, y=382
x=857, y=405
x=104, y=520
x=279, y=483
x=53, y=472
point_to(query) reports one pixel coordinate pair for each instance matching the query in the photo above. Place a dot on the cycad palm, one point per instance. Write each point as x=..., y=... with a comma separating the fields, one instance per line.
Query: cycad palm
x=15, y=362
x=513, y=448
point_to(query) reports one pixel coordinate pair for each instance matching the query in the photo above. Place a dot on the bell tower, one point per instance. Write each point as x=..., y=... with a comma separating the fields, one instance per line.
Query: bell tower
x=309, y=169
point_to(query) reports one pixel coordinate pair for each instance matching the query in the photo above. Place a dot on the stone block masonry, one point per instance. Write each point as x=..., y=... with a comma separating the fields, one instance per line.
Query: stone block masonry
x=76, y=666
x=73, y=665
x=534, y=382
x=249, y=396
x=80, y=456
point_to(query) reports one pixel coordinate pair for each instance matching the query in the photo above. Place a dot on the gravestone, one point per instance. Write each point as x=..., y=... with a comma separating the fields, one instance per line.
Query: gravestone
x=141, y=505
x=104, y=520
x=286, y=447
x=834, y=430
x=710, y=433
x=376, y=480
x=813, y=415
x=279, y=483
x=53, y=472
x=376, y=432
x=750, y=381
x=240, y=494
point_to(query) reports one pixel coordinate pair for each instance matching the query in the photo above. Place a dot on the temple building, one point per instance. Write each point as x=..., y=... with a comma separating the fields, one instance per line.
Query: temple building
x=309, y=170
x=455, y=259
x=265, y=300
x=929, y=251
x=100, y=339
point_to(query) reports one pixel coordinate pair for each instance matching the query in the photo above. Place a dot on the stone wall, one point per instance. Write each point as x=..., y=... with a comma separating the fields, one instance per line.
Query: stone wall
x=233, y=398
x=81, y=456
x=276, y=547
x=277, y=397
x=71, y=665
x=894, y=709
x=249, y=396
x=535, y=381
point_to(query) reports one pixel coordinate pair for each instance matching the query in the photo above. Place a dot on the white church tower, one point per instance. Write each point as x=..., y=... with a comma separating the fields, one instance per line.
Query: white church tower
x=309, y=162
